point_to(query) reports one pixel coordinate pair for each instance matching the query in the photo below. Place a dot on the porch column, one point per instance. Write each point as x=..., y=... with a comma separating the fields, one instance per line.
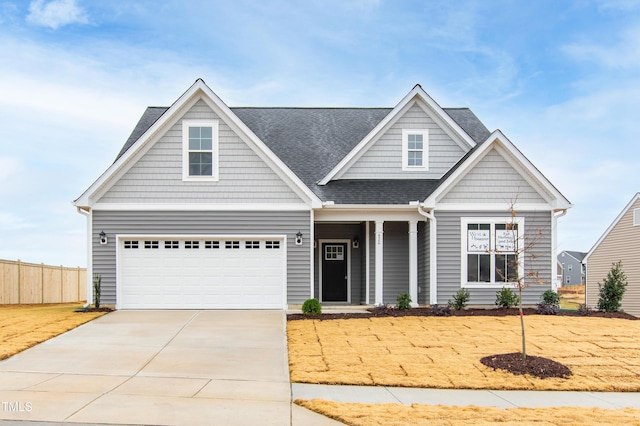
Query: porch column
x=379, y=246
x=413, y=261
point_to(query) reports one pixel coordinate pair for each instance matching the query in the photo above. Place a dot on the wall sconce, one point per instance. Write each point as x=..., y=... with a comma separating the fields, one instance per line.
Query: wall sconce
x=299, y=238
x=355, y=243
x=103, y=237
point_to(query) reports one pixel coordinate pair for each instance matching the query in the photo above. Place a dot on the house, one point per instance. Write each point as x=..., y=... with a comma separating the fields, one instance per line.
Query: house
x=620, y=242
x=213, y=207
x=571, y=268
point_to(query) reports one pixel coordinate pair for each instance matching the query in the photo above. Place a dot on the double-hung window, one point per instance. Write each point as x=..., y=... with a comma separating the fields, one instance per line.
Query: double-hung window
x=415, y=150
x=491, y=251
x=200, y=150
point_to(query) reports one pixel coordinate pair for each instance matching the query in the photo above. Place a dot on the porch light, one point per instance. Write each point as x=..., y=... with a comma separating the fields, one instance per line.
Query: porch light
x=103, y=237
x=355, y=243
x=299, y=238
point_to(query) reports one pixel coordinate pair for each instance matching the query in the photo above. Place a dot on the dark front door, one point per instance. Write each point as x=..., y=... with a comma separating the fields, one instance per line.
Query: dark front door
x=334, y=272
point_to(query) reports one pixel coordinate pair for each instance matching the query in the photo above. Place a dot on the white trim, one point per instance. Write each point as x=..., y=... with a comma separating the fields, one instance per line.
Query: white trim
x=321, y=264
x=215, y=166
x=636, y=217
x=405, y=150
x=367, y=262
x=199, y=90
x=366, y=215
x=379, y=251
x=464, y=221
x=613, y=225
x=516, y=159
x=280, y=237
x=433, y=260
x=201, y=207
x=312, y=239
x=471, y=207
x=416, y=92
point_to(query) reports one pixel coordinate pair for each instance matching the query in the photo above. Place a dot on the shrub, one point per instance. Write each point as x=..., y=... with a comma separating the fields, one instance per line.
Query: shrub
x=550, y=304
x=550, y=297
x=612, y=290
x=404, y=301
x=311, y=307
x=441, y=311
x=506, y=298
x=460, y=299
x=97, y=283
x=547, y=308
x=584, y=309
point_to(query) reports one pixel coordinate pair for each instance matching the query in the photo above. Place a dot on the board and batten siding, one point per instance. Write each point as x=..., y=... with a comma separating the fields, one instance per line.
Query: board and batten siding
x=204, y=223
x=539, y=258
x=424, y=260
x=383, y=159
x=395, y=261
x=157, y=177
x=492, y=180
x=621, y=243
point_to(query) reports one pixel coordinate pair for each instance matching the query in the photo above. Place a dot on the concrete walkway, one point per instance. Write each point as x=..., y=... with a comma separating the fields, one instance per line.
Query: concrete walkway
x=157, y=367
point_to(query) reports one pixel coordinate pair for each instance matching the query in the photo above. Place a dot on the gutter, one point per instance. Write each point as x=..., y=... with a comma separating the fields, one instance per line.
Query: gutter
x=433, y=254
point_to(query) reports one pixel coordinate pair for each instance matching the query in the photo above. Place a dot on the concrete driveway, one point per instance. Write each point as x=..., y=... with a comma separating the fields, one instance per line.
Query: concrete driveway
x=156, y=367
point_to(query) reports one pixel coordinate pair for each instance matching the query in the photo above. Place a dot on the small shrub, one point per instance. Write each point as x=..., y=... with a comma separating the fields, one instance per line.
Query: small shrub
x=311, y=307
x=506, y=298
x=584, y=309
x=441, y=311
x=547, y=308
x=404, y=302
x=460, y=299
x=550, y=297
x=612, y=290
x=97, y=283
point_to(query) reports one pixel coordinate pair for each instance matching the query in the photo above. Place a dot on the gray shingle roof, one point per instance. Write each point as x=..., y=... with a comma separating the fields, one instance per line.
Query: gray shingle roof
x=312, y=141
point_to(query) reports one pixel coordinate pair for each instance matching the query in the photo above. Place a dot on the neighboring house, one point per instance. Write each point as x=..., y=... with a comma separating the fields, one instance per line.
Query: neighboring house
x=572, y=269
x=208, y=206
x=620, y=242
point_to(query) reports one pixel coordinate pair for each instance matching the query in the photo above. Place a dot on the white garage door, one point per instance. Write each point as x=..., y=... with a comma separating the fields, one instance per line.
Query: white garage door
x=201, y=273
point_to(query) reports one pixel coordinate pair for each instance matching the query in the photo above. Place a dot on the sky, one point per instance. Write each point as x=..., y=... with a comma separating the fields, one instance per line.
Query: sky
x=561, y=79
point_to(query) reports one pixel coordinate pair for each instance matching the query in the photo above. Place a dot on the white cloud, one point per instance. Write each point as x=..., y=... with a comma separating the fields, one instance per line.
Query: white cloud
x=621, y=53
x=56, y=13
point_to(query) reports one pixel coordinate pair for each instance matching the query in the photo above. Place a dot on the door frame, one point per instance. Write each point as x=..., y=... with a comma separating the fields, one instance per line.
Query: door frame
x=320, y=265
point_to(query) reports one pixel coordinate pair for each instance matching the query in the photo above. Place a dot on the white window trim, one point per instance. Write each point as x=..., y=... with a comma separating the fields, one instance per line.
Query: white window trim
x=405, y=150
x=186, y=124
x=464, y=222
x=636, y=217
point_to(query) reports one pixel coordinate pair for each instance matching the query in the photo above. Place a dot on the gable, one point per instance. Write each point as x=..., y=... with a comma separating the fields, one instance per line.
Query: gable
x=384, y=157
x=622, y=237
x=492, y=180
x=157, y=175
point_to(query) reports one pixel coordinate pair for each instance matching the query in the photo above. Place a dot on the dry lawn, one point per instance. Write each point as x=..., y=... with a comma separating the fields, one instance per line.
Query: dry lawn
x=24, y=326
x=398, y=415
x=435, y=352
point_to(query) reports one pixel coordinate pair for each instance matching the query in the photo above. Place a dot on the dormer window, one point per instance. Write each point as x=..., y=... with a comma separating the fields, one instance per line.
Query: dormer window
x=199, y=150
x=415, y=150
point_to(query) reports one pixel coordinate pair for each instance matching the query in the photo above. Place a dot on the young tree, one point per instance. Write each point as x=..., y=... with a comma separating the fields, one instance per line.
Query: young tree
x=613, y=288
x=516, y=247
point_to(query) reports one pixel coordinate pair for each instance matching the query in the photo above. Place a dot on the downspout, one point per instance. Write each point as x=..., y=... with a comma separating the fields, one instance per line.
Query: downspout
x=433, y=255
x=87, y=214
x=554, y=260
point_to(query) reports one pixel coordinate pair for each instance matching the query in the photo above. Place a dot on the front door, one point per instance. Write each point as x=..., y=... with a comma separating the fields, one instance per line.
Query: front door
x=334, y=272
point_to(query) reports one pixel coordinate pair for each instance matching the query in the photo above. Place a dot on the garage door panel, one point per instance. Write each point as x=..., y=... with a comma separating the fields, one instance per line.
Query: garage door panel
x=201, y=273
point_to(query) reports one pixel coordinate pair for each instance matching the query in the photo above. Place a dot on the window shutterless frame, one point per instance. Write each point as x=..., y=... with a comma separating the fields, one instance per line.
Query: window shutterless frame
x=415, y=150
x=200, y=160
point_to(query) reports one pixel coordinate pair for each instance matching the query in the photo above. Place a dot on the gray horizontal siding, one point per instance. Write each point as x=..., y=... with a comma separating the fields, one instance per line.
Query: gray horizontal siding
x=492, y=180
x=157, y=176
x=383, y=160
x=197, y=223
x=538, y=258
x=395, y=260
x=424, y=260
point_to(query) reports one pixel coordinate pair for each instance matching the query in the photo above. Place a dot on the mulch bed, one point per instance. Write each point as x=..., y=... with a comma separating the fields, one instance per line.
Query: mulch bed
x=537, y=366
x=444, y=311
x=82, y=310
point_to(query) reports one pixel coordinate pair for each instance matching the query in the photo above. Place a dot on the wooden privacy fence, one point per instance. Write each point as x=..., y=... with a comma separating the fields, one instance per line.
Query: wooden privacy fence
x=30, y=283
